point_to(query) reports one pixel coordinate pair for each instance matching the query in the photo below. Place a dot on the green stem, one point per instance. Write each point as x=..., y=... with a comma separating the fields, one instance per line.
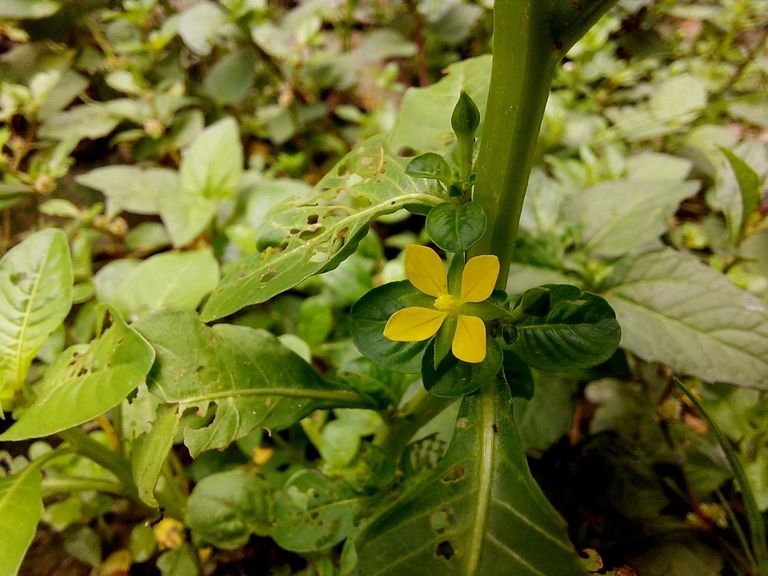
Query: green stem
x=70, y=484
x=102, y=455
x=419, y=410
x=529, y=38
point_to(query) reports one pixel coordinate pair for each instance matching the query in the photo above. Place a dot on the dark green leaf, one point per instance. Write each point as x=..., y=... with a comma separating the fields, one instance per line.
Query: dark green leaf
x=749, y=191
x=368, y=317
x=225, y=508
x=453, y=378
x=578, y=330
x=456, y=227
x=314, y=513
x=479, y=512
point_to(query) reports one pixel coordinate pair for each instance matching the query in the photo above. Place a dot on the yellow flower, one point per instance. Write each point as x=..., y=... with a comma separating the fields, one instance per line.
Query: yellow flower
x=425, y=271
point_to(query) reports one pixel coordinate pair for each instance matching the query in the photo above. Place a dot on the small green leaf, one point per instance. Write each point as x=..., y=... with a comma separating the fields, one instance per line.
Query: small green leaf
x=453, y=378
x=749, y=189
x=28, y=9
x=137, y=190
x=368, y=317
x=231, y=78
x=36, y=276
x=181, y=561
x=577, y=330
x=314, y=513
x=211, y=167
x=456, y=227
x=21, y=507
x=85, y=381
x=225, y=508
x=432, y=166
x=150, y=450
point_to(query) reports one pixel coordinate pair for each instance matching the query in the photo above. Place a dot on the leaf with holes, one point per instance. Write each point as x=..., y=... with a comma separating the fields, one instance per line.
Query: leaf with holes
x=479, y=510
x=85, y=381
x=251, y=378
x=315, y=233
x=36, y=276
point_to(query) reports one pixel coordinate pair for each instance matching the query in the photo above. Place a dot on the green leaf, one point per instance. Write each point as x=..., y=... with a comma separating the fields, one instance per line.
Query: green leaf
x=624, y=215
x=168, y=280
x=313, y=512
x=36, y=276
x=452, y=378
x=548, y=416
x=28, y=9
x=212, y=166
x=456, y=227
x=478, y=511
x=424, y=121
x=430, y=165
x=150, y=451
x=576, y=330
x=85, y=381
x=21, y=507
x=225, y=508
x=675, y=310
x=181, y=561
x=231, y=78
x=85, y=121
x=317, y=232
x=738, y=211
x=198, y=26
x=251, y=378
x=185, y=216
x=131, y=188
x=368, y=317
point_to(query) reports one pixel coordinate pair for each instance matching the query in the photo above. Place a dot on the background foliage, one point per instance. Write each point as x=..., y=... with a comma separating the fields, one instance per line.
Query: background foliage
x=157, y=155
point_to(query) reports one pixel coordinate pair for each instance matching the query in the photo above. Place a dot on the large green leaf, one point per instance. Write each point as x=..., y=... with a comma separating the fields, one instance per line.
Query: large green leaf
x=21, y=506
x=168, y=280
x=624, y=215
x=85, y=381
x=566, y=329
x=251, y=378
x=424, y=121
x=225, y=508
x=674, y=309
x=479, y=511
x=36, y=277
x=315, y=233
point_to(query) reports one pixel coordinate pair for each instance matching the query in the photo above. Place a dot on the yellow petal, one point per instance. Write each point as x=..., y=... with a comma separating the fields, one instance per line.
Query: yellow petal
x=413, y=324
x=425, y=270
x=479, y=278
x=469, y=339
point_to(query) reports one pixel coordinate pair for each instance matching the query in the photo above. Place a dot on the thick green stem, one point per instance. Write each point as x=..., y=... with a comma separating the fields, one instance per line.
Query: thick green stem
x=529, y=38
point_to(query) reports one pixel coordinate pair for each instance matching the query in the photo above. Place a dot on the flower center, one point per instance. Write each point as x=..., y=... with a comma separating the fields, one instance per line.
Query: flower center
x=445, y=303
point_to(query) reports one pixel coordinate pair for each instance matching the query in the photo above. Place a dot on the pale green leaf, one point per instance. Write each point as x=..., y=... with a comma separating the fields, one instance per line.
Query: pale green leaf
x=185, y=216
x=85, y=381
x=479, y=510
x=167, y=280
x=317, y=232
x=28, y=9
x=622, y=215
x=231, y=78
x=131, y=188
x=150, y=450
x=36, y=276
x=674, y=309
x=211, y=167
x=21, y=507
x=424, y=121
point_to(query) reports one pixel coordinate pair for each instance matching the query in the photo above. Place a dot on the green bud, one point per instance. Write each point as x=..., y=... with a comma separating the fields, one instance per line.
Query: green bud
x=466, y=117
